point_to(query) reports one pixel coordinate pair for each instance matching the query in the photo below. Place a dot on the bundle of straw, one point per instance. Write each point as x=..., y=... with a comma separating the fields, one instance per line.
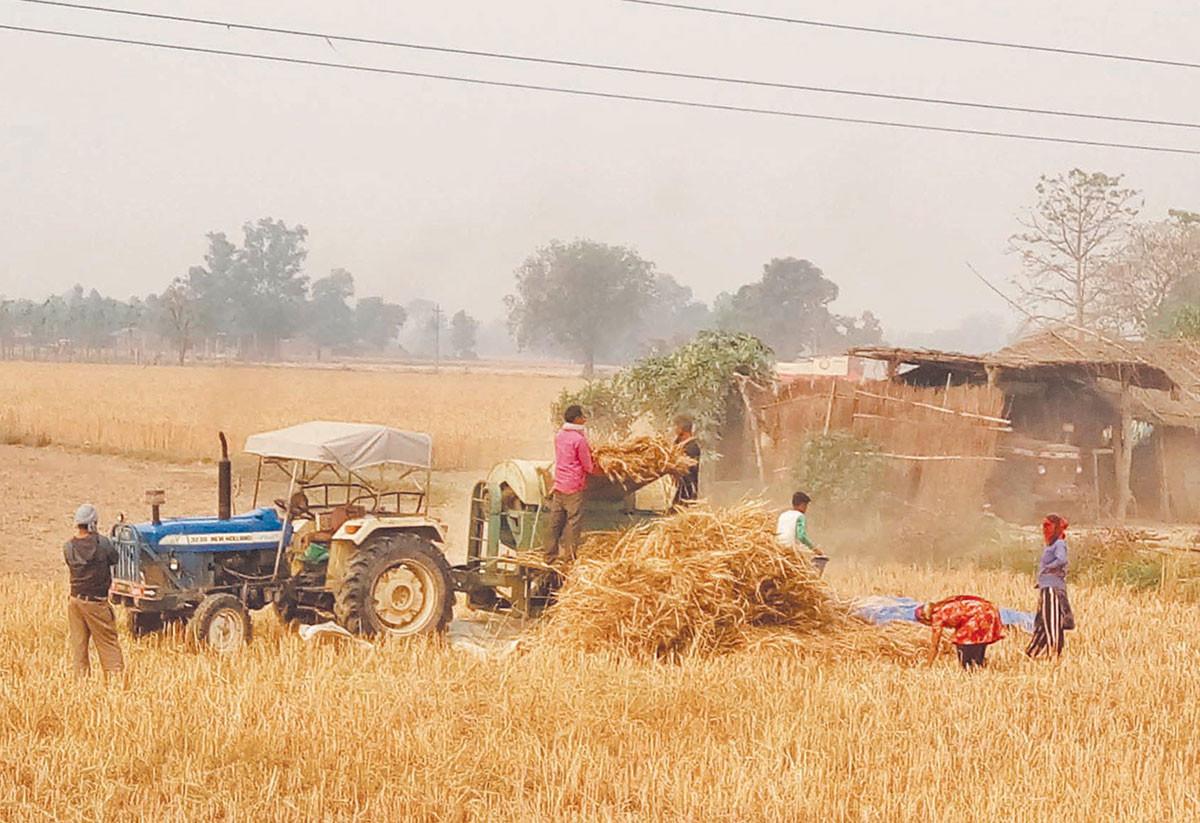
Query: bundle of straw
x=701, y=581
x=641, y=460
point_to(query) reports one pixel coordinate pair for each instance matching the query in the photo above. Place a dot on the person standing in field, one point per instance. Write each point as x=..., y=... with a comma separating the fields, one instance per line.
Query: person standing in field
x=90, y=557
x=976, y=623
x=791, y=530
x=685, y=438
x=572, y=464
x=1054, y=615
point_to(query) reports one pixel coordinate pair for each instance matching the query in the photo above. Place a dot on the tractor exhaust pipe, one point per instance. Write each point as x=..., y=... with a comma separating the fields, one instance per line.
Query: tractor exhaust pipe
x=224, y=482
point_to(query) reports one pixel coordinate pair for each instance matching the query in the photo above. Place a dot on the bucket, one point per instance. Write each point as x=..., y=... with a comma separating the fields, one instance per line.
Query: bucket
x=819, y=562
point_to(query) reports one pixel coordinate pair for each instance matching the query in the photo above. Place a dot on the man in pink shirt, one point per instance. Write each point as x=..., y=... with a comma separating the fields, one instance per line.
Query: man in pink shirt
x=572, y=464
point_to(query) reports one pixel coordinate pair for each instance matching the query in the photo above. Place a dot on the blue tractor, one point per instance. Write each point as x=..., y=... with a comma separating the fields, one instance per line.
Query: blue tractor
x=352, y=541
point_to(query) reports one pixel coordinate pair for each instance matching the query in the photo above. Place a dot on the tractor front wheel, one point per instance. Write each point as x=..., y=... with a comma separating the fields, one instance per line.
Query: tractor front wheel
x=221, y=623
x=395, y=584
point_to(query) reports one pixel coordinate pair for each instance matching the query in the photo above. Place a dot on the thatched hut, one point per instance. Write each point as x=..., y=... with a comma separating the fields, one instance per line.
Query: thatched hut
x=1130, y=408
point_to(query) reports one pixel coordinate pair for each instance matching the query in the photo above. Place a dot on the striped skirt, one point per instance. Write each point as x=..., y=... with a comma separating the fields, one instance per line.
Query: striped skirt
x=1054, y=618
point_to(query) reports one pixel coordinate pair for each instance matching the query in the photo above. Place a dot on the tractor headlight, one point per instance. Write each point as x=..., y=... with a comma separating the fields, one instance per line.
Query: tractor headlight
x=1041, y=469
x=173, y=564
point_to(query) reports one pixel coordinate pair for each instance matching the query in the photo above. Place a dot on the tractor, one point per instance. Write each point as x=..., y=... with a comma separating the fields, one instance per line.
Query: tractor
x=352, y=541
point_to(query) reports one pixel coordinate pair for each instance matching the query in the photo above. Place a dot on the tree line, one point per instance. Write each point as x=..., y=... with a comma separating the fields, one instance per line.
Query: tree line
x=1087, y=258
x=593, y=300
x=249, y=296
x=582, y=299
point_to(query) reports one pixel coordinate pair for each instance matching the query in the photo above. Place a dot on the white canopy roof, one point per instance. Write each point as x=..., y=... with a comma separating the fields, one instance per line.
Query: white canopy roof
x=352, y=446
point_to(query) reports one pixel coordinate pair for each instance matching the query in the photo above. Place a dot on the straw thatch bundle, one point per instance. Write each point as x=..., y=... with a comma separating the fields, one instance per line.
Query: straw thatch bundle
x=701, y=581
x=640, y=460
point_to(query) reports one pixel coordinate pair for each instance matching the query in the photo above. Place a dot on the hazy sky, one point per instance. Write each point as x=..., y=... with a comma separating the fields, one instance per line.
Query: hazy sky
x=116, y=160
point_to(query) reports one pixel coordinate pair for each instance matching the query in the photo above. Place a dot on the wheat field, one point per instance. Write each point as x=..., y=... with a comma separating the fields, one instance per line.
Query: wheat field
x=175, y=413
x=288, y=731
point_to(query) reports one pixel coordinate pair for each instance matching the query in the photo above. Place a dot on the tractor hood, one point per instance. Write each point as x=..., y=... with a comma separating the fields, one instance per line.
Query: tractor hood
x=258, y=529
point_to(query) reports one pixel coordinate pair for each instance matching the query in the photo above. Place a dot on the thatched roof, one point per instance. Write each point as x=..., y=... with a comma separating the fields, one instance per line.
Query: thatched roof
x=1164, y=375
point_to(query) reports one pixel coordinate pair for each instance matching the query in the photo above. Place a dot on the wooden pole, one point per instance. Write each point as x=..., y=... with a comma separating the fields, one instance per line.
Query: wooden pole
x=752, y=423
x=829, y=408
x=1124, y=456
x=1164, y=487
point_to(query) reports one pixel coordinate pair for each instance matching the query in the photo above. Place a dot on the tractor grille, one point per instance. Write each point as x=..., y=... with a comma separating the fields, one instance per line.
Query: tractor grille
x=129, y=554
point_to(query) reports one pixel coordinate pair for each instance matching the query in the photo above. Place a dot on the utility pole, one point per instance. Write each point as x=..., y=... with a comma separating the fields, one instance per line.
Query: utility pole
x=437, y=337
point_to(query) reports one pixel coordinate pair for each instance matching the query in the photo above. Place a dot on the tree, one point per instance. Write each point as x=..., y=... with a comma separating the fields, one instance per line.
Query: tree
x=423, y=328
x=584, y=297
x=1070, y=236
x=675, y=316
x=1158, y=268
x=464, y=330
x=91, y=320
x=177, y=310
x=9, y=311
x=331, y=320
x=270, y=290
x=698, y=378
x=377, y=322
x=865, y=330
x=788, y=309
x=214, y=288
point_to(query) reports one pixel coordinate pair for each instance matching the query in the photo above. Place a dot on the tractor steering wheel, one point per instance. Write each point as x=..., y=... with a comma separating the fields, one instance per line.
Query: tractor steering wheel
x=298, y=508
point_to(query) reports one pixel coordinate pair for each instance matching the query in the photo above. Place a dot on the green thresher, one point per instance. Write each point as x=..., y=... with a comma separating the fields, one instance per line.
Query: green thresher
x=510, y=512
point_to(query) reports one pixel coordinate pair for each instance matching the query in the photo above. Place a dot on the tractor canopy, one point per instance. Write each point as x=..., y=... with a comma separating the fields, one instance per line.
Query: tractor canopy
x=375, y=468
x=350, y=446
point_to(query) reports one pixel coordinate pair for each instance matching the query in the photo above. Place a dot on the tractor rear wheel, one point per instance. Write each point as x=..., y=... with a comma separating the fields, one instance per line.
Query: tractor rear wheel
x=395, y=584
x=221, y=623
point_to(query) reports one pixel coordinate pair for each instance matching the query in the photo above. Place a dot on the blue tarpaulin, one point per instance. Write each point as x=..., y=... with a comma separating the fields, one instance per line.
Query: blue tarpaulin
x=880, y=609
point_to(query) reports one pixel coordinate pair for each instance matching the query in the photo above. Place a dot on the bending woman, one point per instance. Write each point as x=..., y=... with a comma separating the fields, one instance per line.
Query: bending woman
x=1054, y=616
x=975, y=621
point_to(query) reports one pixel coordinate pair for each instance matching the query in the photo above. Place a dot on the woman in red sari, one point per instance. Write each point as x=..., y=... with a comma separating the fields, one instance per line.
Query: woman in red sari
x=975, y=621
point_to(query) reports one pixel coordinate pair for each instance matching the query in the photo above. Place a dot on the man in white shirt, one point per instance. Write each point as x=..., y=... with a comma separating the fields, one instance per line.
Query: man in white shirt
x=791, y=530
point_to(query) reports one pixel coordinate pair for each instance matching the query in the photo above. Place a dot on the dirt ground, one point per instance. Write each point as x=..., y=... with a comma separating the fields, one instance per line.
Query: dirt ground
x=42, y=487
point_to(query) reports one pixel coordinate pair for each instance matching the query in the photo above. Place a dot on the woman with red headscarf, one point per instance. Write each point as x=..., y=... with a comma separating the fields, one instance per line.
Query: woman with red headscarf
x=1054, y=615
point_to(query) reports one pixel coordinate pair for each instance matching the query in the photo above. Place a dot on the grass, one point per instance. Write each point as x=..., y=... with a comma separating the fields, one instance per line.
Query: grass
x=175, y=413
x=415, y=731
x=1113, y=557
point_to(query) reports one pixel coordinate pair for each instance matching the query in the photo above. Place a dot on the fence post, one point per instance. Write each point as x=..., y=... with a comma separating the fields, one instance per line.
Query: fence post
x=829, y=408
x=752, y=422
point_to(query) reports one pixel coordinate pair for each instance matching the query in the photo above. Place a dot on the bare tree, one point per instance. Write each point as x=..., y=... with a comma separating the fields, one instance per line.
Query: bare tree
x=1079, y=222
x=178, y=305
x=1161, y=259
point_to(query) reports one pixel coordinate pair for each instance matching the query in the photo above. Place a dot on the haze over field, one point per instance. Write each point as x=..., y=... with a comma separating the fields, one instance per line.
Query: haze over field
x=116, y=160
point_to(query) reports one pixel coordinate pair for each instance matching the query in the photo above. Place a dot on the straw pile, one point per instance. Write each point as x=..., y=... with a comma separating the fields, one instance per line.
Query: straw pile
x=641, y=460
x=702, y=581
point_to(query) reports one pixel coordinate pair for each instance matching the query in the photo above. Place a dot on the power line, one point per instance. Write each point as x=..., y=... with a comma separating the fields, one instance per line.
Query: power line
x=327, y=37
x=945, y=38
x=606, y=95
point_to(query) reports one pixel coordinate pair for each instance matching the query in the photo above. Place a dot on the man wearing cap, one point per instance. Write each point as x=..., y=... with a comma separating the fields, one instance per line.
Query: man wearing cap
x=90, y=557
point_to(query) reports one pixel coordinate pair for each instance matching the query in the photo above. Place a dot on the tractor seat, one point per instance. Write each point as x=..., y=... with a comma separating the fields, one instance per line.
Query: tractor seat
x=329, y=522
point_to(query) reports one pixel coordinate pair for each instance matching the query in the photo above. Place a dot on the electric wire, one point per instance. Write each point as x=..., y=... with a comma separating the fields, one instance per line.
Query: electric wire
x=328, y=37
x=945, y=38
x=606, y=95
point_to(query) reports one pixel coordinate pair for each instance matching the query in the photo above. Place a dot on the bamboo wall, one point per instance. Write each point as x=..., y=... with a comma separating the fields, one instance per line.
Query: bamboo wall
x=940, y=444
